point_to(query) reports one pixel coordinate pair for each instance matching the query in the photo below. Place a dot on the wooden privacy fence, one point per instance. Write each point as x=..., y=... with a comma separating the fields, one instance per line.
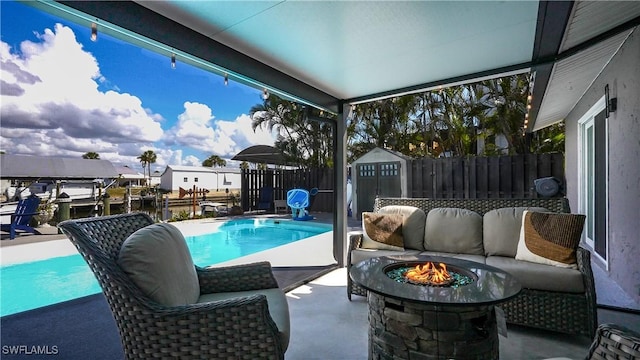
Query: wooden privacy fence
x=462, y=177
x=281, y=181
x=483, y=177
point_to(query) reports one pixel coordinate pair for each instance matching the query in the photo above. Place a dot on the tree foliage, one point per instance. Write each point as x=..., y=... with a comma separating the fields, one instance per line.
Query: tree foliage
x=91, y=155
x=146, y=159
x=214, y=161
x=483, y=118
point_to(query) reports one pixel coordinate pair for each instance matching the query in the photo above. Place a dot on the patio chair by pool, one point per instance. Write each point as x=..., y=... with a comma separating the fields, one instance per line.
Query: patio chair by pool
x=166, y=307
x=266, y=198
x=21, y=218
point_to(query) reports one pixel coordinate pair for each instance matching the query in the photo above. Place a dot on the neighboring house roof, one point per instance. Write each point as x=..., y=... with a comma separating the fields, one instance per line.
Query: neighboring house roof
x=128, y=173
x=201, y=169
x=44, y=167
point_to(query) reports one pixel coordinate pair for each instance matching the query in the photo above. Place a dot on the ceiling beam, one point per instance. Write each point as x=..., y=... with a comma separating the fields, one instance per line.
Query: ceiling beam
x=553, y=17
x=149, y=24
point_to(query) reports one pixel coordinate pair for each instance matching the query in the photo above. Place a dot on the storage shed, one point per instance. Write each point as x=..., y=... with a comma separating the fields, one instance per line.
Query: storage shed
x=380, y=172
x=178, y=176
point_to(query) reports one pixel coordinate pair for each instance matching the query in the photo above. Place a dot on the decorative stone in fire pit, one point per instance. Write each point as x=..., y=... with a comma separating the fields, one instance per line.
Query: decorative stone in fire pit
x=423, y=307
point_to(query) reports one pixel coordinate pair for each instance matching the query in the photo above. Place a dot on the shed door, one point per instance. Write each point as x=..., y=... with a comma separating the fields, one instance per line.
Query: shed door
x=381, y=179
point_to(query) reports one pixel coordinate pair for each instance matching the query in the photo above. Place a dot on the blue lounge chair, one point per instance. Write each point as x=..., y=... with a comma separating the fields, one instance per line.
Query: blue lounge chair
x=22, y=216
x=266, y=198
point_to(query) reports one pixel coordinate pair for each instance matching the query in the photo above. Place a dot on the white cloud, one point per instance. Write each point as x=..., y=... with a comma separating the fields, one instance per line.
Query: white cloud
x=51, y=104
x=197, y=128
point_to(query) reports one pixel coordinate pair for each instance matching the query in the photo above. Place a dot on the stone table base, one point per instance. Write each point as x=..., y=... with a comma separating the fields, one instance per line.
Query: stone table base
x=409, y=330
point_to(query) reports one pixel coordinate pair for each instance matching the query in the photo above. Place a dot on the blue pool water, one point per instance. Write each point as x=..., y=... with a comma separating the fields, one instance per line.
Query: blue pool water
x=35, y=284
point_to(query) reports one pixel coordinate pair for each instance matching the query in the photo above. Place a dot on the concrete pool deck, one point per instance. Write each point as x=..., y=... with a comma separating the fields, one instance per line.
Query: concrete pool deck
x=313, y=251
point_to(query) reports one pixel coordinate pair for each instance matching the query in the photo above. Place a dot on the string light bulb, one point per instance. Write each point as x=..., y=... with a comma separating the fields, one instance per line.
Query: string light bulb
x=173, y=61
x=94, y=32
x=226, y=79
x=265, y=94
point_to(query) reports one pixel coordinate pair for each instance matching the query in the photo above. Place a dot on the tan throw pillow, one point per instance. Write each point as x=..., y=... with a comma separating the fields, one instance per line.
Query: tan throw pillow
x=550, y=238
x=382, y=231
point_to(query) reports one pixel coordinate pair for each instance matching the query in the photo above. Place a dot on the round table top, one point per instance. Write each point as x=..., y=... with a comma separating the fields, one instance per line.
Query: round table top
x=492, y=285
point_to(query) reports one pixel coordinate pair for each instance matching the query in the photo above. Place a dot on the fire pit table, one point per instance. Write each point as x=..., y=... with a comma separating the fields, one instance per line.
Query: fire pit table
x=421, y=317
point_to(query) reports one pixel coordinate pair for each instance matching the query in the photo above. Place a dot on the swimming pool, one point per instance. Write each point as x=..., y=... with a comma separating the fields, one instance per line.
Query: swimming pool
x=34, y=284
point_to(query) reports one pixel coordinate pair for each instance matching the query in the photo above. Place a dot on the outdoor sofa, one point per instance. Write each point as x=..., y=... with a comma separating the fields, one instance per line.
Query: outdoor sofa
x=552, y=298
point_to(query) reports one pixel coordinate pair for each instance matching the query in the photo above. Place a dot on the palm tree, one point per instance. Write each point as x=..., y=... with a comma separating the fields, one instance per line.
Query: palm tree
x=91, y=155
x=301, y=141
x=213, y=161
x=146, y=159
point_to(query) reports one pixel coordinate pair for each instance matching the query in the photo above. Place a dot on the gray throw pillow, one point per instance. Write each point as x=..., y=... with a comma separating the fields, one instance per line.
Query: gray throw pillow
x=159, y=263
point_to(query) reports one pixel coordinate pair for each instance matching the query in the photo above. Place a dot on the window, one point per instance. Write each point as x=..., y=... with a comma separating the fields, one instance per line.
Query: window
x=593, y=178
x=185, y=179
x=195, y=179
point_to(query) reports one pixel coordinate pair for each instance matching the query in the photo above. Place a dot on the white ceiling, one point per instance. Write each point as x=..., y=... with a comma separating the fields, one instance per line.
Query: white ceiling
x=352, y=49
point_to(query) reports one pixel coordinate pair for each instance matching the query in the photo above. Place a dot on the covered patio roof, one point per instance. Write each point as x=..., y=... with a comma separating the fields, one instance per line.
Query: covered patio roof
x=330, y=53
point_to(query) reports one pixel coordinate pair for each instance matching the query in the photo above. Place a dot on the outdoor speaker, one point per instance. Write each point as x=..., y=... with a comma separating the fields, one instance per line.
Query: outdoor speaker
x=548, y=186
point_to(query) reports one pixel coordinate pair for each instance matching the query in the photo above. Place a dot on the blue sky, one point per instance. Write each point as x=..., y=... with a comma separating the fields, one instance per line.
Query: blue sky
x=64, y=95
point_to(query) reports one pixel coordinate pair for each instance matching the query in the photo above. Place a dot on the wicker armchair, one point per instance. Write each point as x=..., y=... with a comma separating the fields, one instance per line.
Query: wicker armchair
x=612, y=342
x=236, y=325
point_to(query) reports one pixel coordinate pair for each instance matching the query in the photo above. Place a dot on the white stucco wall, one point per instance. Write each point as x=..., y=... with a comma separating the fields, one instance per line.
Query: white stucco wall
x=622, y=75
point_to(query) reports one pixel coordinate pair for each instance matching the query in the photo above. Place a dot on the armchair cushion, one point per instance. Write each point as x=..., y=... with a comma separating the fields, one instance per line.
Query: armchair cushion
x=157, y=260
x=278, y=307
x=454, y=230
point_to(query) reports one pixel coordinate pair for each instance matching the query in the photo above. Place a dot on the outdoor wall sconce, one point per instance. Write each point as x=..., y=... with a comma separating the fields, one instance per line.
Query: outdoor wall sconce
x=610, y=104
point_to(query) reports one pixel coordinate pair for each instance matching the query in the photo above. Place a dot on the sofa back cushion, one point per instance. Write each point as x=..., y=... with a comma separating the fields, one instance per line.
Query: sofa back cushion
x=413, y=223
x=157, y=260
x=501, y=230
x=454, y=230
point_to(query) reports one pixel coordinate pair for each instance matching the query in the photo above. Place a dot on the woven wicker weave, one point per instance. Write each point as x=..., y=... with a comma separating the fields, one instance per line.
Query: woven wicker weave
x=239, y=328
x=614, y=342
x=563, y=312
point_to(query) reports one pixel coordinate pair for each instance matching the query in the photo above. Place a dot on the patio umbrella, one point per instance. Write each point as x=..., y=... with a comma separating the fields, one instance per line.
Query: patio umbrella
x=261, y=154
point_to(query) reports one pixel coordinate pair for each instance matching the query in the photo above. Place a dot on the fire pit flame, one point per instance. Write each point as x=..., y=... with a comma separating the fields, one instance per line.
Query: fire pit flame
x=429, y=274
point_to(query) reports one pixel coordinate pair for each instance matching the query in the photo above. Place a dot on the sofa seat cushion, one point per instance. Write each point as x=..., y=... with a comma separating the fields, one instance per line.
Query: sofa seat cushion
x=539, y=276
x=278, y=307
x=382, y=231
x=501, y=230
x=358, y=255
x=413, y=222
x=453, y=230
x=475, y=258
x=158, y=261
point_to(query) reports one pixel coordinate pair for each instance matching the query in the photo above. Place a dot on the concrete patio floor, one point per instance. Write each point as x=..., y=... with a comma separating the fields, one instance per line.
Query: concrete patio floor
x=325, y=325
